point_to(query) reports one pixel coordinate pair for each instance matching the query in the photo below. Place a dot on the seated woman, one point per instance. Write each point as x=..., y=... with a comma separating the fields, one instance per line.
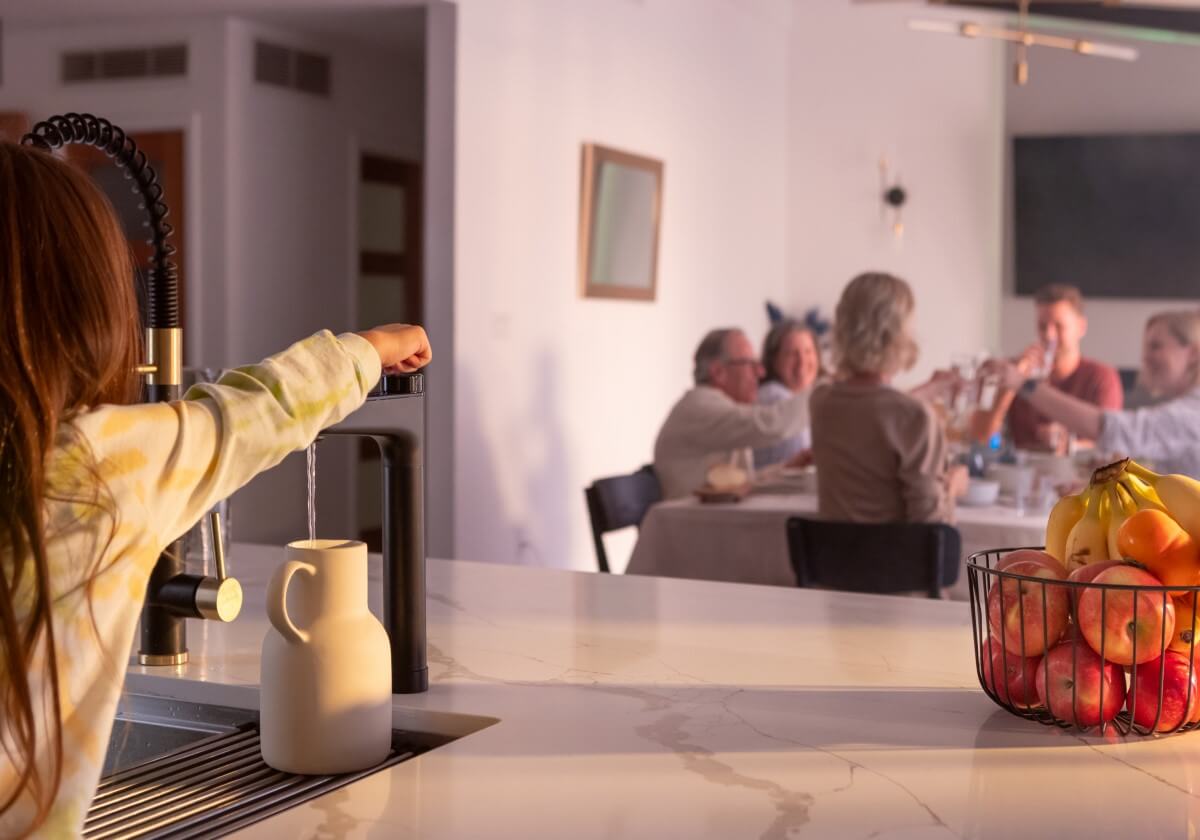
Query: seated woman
x=880, y=453
x=792, y=364
x=1166, y=435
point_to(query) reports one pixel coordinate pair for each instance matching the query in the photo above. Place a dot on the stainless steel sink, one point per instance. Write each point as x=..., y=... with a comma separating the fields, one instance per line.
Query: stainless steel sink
x=178, y=769
x=147, y=727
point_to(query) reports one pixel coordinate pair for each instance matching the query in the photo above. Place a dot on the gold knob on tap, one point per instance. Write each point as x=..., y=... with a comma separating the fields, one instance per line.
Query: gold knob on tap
x=219, y=600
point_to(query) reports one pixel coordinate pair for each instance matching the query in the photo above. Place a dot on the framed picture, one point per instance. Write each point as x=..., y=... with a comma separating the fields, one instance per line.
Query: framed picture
x=619, y=211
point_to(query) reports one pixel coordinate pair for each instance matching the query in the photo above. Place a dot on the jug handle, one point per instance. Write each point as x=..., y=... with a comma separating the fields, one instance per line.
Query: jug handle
x=277, y=600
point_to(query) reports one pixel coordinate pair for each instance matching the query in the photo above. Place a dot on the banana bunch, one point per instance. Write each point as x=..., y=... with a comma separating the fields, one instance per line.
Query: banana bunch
x=1082, y=529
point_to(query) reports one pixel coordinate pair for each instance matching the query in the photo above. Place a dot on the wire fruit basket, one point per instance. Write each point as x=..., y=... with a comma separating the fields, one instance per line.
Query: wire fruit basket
x=1083, y=655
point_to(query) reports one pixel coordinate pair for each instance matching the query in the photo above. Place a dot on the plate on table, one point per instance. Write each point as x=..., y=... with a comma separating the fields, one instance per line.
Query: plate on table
x=798, y=473
x=725, y=495
x=786, y=480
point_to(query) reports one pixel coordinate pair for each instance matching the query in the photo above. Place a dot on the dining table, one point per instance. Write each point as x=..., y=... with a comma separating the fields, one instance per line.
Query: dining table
x=745, y=541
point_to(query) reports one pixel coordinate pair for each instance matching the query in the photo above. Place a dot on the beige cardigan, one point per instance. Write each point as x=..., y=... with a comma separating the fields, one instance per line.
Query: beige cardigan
x=163, y=465
x=706, y=427
x=880, y=456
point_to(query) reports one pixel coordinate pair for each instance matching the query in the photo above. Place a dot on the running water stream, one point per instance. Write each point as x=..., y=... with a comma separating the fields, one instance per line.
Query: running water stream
x=311, y=453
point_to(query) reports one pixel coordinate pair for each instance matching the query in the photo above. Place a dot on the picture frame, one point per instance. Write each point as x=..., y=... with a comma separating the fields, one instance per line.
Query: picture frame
x=619, y=218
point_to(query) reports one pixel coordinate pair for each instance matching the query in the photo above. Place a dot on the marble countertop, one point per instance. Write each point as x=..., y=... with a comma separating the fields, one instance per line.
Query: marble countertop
x=660, y=708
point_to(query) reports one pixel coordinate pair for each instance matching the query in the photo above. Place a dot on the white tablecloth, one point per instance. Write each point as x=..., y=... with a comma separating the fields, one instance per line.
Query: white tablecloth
x=746, y=541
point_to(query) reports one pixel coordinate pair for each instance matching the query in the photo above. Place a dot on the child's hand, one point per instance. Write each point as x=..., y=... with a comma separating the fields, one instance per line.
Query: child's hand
x=402, y=348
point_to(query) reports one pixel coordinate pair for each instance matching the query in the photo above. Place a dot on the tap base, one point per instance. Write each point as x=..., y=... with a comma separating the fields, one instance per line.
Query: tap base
x=163, y=658
x=410, y=682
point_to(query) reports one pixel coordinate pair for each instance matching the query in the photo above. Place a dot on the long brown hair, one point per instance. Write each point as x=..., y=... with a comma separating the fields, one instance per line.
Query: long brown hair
x=70, y=341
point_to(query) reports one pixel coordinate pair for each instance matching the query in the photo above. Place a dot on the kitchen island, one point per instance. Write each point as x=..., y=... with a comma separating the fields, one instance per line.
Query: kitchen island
x=611, y=706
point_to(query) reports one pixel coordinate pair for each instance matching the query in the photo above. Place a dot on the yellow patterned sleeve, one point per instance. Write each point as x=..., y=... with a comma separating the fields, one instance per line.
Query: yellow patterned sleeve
x=177, y=459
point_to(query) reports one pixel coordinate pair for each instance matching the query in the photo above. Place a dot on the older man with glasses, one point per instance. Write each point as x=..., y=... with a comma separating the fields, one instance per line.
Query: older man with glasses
x=718, y=420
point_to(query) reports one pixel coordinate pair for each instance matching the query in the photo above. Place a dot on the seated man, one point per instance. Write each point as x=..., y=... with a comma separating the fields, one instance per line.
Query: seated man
x=1061, y=326
x=718, y=420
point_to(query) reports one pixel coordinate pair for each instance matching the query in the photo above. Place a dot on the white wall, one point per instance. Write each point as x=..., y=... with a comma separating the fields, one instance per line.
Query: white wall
x=292, y=172
x=554, y=390
x=440, y=166
x=862, y=86
x=1069, y=94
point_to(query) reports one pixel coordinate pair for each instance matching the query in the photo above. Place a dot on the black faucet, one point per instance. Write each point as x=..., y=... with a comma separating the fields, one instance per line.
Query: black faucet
x=172, y=596
x=403, y=537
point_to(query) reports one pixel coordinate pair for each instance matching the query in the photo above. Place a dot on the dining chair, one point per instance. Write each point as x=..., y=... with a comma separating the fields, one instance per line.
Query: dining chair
x=881, y=559
x=620, y=502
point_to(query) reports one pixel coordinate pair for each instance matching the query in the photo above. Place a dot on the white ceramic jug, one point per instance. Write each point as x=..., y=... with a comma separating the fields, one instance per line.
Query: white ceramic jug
x=326, y=697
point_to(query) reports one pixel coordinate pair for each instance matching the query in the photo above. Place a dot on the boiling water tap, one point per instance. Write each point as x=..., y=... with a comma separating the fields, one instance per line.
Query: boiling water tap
x=402, y=474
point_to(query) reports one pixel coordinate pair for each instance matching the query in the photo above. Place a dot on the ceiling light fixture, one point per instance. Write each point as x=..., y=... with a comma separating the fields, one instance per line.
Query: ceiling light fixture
x=1023, y=38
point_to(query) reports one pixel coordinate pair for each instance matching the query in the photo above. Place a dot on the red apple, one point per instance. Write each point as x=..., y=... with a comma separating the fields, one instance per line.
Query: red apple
x=1070, y=681
x=1107, y=617
x=1015, y=609
x=1011, y=678
x=1086, y=574
x=1177, y=680
x=1032, y=555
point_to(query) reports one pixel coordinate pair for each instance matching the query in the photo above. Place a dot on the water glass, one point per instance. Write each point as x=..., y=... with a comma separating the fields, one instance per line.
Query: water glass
x=1024, y=481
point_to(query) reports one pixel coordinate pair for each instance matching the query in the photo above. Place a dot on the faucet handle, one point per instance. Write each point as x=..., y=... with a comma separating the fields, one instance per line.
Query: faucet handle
x=398, y=385
x=219, y=598
x=218, y=544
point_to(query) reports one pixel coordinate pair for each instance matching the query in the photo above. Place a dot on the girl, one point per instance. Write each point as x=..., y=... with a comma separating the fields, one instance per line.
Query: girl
x=92, y=488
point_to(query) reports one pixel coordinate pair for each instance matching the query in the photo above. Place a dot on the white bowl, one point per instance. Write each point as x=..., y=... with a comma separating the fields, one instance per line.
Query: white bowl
x=1057, y=468
x=981, y=492
x=1011, y=477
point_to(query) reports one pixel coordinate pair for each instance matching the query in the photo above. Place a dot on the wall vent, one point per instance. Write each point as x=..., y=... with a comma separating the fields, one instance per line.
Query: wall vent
x=124, y=63
x=296, y=69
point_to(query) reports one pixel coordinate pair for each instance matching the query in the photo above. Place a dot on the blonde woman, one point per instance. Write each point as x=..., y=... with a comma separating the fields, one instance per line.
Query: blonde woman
x=1166, y=434
x=880, y=453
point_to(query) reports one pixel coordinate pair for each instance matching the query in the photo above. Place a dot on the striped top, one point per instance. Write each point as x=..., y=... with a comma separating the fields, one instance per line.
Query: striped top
x=123, y=482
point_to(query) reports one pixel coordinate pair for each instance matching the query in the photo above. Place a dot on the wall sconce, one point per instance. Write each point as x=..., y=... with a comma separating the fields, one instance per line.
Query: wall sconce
x=894, y=196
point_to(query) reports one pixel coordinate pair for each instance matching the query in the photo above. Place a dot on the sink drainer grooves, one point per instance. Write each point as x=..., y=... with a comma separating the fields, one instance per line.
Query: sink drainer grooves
x=209, y=788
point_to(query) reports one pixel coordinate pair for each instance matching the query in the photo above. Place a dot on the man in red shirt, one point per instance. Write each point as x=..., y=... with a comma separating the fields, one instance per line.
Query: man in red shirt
x=1061, y=326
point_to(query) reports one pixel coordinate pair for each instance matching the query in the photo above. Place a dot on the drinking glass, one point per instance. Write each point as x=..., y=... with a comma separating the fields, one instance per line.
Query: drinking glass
x=965, y=399
x=1024, y=479
x=1049, y=350
x=198, y=542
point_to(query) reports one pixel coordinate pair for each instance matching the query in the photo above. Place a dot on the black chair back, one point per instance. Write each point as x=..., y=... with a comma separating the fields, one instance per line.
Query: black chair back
x=619, y=502
x=881, y=559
